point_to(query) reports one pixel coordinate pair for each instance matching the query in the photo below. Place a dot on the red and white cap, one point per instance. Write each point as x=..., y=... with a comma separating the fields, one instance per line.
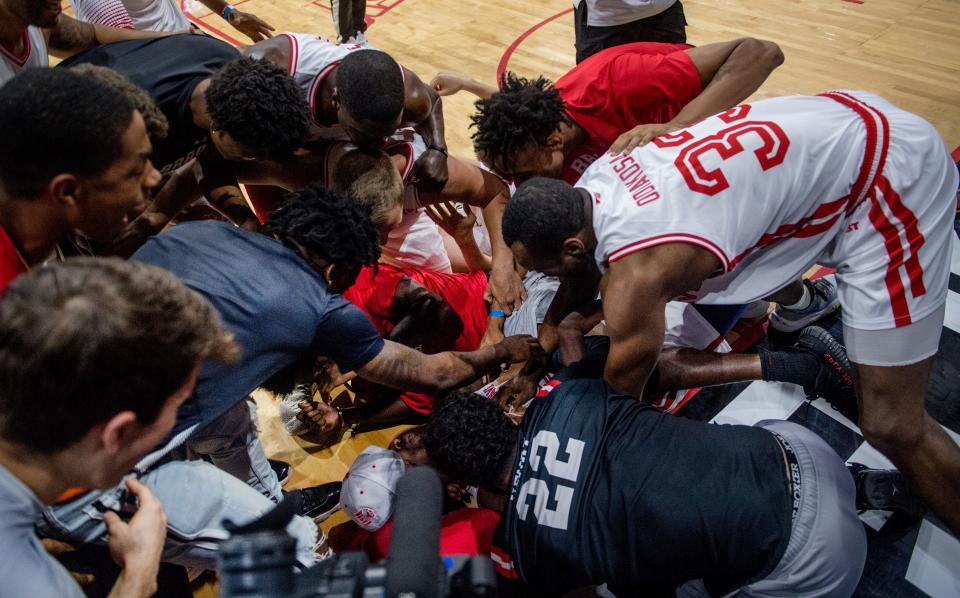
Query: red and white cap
x=369, y=490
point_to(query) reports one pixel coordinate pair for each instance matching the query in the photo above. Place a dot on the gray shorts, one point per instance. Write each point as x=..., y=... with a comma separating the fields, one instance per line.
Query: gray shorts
x=828, y=545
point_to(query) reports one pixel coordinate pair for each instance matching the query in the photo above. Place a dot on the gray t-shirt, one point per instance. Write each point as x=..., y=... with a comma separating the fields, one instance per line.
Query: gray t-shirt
x=26, y=569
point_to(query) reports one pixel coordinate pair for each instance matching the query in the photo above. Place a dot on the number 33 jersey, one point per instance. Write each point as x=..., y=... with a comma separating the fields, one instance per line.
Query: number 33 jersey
x=607, y=489
x=772, y=187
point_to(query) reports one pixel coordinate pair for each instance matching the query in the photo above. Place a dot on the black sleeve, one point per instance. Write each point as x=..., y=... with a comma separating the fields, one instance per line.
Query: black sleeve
x=347, y=336
x=592, y=364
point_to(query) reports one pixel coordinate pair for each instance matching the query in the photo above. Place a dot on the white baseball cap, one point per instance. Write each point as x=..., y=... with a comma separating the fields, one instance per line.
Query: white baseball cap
x=369, y=490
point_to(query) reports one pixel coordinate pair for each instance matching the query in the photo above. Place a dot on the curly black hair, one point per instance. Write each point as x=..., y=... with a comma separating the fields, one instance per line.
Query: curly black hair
x=328, y=224
x=469, y=438
x=542, y=214
x=260, y=106
x=523, y=112
x=370, y=86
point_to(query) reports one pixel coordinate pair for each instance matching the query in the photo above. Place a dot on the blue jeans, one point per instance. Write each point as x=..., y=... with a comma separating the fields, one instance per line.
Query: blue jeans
x=196, y=495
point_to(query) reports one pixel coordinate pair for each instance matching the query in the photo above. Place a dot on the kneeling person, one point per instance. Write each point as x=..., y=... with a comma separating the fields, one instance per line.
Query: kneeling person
x=602, y=489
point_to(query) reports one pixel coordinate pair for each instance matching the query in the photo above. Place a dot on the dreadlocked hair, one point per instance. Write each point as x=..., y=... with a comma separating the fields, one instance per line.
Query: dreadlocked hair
x=469, y=438
x=523, y=112
x=328, y=224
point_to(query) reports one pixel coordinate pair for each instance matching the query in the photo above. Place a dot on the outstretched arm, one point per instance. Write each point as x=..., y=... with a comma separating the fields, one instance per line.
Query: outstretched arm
x=404, y=368
x=247, y=23
x=447, y=83
x=70, y=36
x=729, y=73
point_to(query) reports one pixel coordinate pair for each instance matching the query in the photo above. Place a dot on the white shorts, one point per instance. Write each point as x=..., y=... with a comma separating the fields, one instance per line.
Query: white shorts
x=893, y=260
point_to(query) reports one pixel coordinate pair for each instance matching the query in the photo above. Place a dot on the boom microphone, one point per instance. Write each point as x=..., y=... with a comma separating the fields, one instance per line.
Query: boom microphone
x=414, y=567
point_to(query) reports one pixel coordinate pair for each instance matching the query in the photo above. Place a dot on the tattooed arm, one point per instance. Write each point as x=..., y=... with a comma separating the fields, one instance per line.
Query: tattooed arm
x=404, y=368
x=70, y=36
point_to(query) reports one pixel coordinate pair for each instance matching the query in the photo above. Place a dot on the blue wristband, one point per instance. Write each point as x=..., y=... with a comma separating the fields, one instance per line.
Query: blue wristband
x=497, y=313
x=226, y=12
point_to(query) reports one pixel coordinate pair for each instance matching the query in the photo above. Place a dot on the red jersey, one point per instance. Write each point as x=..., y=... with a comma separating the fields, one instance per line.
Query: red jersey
x=464, y=531
x=622, y=87
x=11, y=265
x=374, y=293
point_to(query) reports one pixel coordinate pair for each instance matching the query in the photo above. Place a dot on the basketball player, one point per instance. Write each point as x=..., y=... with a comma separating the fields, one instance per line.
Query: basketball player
x=737, y=206
x=31, y=28
x=627, y=94
x=412, y=239
x=364, y=93
x=163, y=15
x=220, y=107
x=598, y=488
x=74, y=154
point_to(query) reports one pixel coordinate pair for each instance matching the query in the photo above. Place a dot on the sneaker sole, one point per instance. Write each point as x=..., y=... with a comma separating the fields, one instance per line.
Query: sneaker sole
x=832, y=344
x=793, y=325
x=326, y=514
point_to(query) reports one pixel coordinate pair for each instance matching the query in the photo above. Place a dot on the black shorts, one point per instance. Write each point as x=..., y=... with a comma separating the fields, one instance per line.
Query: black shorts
x=668, y=27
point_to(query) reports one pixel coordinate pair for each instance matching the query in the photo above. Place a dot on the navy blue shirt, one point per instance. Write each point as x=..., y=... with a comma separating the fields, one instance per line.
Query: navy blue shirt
x=169, y=69
x=277, y=306
x=607, y=489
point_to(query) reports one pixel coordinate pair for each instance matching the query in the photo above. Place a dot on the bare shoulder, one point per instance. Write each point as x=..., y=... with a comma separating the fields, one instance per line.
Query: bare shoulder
x=666, y=270
x=275, y=49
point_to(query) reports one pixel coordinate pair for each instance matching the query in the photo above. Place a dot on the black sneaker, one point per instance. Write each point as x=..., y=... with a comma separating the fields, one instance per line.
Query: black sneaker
x=834, y=381
x=281, y=469
x=318, y=502
x=886, y=490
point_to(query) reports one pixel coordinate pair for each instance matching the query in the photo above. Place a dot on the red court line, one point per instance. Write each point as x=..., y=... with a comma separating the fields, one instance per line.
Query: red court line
x=502, y=67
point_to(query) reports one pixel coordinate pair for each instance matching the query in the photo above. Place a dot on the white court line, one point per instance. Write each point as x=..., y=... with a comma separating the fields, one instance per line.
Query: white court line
x=760, y=401
x=933, y=565
x=951, y=317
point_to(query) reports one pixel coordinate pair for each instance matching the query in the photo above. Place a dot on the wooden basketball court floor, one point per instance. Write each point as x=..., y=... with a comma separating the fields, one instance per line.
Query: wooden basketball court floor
x=905, y=50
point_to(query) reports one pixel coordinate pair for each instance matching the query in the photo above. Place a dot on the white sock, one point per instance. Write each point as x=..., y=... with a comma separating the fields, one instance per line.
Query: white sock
x=804, y=302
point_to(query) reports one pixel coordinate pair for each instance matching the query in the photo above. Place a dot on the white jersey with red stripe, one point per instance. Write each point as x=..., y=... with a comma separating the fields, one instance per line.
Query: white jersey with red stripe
x=142, y=15
x=416, y=242
x=771, y=188
x=312, y=58
x=34, y=55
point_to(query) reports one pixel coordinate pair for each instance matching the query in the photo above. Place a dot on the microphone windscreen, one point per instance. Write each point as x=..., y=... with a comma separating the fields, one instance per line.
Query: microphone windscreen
x=414, y=567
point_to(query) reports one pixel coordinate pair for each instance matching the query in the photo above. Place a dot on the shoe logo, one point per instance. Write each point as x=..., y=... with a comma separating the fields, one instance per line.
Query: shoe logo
x=894, y=491
x=838, y=368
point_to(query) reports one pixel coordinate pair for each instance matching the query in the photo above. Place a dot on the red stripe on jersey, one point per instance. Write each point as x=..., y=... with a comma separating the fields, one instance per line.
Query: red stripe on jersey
x=877, y=135
x=891, y=241
x=502, y=562
x=20, y=60
x=294, y=55
x=670, y=238
x=911, y=230
x=547, y=387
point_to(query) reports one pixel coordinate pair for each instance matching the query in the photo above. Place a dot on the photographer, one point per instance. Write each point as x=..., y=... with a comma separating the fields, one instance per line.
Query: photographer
x=96, y=355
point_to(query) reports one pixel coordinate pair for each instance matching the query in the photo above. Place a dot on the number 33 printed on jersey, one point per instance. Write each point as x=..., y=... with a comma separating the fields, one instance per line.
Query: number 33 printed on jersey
x=727, y=143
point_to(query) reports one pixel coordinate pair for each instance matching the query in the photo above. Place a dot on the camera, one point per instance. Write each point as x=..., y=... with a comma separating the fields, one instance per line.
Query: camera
x=259, y=558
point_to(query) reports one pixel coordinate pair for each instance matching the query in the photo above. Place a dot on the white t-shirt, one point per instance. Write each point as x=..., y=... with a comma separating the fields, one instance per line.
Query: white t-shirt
x=34, y=54
x=608, y=13
x=145, y=15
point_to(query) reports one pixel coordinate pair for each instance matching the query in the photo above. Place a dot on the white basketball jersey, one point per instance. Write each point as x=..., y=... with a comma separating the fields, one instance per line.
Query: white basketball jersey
x=34, y=54
x=765, y=187
x=312, y=58
x=142, y=15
